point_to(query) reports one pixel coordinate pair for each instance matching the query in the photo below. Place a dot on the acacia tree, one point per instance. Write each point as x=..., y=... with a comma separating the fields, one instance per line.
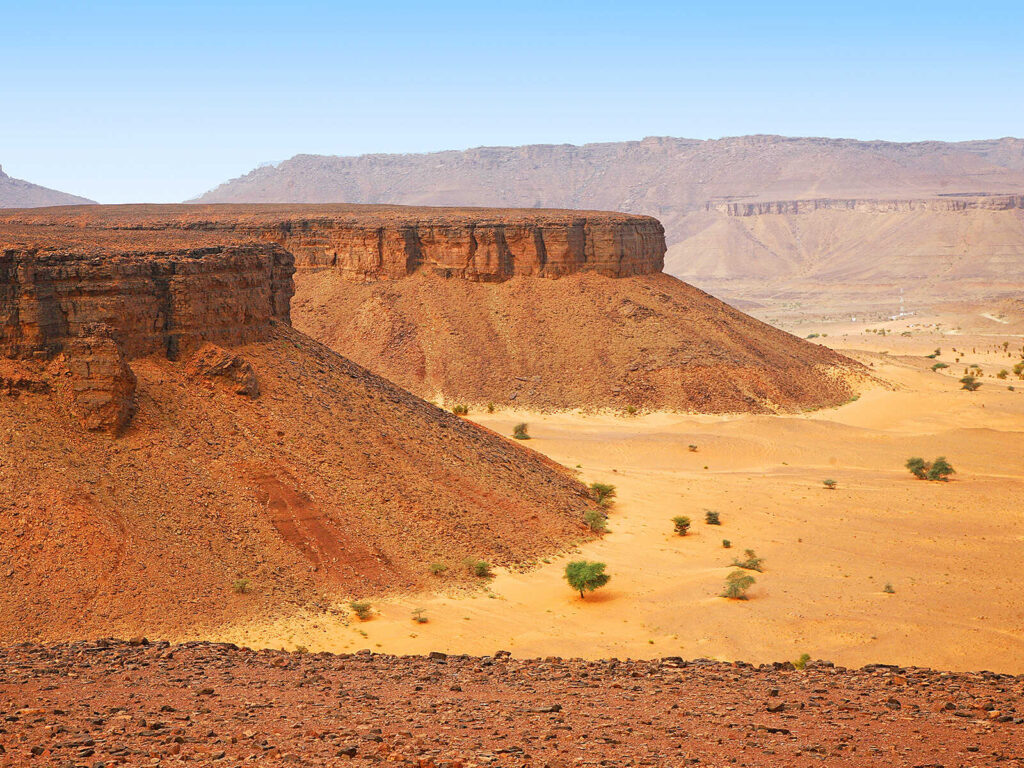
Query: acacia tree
x=586, y=576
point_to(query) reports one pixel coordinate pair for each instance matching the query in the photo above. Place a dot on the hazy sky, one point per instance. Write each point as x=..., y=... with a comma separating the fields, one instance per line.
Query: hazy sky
x=154, y=101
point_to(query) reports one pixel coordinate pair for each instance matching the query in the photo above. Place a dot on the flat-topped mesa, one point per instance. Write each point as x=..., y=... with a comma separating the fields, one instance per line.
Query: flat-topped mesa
x=485, y=251
x=381, y=242
x=153, y=298
x=951, y=203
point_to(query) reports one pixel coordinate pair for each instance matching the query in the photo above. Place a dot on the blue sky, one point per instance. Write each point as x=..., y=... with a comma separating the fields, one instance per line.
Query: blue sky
x=160, y=101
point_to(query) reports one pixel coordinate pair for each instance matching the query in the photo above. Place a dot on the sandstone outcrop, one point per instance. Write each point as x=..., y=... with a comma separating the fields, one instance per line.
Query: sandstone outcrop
x=155, y=297
x=374, y=242
x=217, y=364
x=102, y=383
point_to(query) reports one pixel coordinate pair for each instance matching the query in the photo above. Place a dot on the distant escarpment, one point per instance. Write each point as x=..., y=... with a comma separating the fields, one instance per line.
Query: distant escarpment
x=950, y=203
x=855, y=255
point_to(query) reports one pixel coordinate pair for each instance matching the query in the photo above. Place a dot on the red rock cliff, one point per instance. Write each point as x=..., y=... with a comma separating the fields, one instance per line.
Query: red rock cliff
x=153, y=299
x=371, y=242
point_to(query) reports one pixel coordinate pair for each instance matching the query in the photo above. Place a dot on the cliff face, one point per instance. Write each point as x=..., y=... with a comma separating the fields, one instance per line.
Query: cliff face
x=153, y=301
x=949, y=204
x=374, y=242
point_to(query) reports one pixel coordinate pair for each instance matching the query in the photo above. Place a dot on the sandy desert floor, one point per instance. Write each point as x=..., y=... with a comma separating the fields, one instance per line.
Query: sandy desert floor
x=950, y=551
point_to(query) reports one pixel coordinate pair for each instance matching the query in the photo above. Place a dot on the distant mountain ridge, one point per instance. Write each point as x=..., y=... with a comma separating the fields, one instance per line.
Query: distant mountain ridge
x=15, y=193
x=659, y=176
x=760, y=218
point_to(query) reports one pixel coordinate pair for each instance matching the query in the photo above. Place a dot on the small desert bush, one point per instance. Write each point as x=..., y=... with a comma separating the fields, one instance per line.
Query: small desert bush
x=519, y=432
x=736, y=585
x=490, y=407
x=1002, y=374
x=888, y=589
x=603, y=493
x=711, y=517
x=751, y=563
x=586, y=576
x=596, y=521
x=830, y=484
x=460, y=410
x=939, y=470
x=478, y=568
x=420, y=616
x=436, y=569
x=970, y=383
x=939, y=366
x=801, y=663
x=241, y=586
x=631, y=410
x=726, y=544
x=681, y=524
x=362, y=609
x=692, y=447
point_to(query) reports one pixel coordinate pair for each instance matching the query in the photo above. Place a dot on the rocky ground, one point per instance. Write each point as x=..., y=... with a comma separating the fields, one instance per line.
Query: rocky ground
x=115, y=703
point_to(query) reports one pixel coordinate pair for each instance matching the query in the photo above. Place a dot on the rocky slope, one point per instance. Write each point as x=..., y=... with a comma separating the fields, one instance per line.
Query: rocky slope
x=119, y=704
x=173, y=455
x=649, y=342
x=854, y=253
x=15, y=193
x=447, y=303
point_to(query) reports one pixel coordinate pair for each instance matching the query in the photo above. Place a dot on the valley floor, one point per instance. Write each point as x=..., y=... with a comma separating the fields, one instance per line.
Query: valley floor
x=948, y=551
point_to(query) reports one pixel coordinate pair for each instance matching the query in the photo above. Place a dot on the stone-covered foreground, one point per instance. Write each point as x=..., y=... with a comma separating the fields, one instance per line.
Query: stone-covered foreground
x=142, y=704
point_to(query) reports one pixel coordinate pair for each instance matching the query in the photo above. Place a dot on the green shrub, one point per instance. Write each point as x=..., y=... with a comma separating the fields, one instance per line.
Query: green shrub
x=801, y=663
x=970, y=383
x=681, y=524
x=692, y=447
x=603, y=493
x=830, y=484
x=362, y=609
x=752, y=562
x=241, y=586
x=631, y=410
x=736, y=585
x=726, y=544
x=478, y=568
x=519, y=432
x=420, y=616
x=940, y=469
x=586, y=576
x=939, y=366
x=888, y=589
x=596, y=520
x=918, y=467
x=437, y=569
x=490, y=407
x=711, y=517
x=460, y=410
x=1002, y=374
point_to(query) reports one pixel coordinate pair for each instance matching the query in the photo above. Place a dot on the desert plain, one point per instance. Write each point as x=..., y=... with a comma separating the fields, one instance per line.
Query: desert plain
x=947, y=550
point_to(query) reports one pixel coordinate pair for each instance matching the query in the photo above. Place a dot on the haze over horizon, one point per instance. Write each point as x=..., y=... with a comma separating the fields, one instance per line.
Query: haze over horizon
x=122, y=103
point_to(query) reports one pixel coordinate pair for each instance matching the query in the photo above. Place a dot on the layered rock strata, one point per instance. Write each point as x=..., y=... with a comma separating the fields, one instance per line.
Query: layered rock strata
x=153, y=301
x=373, y=242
